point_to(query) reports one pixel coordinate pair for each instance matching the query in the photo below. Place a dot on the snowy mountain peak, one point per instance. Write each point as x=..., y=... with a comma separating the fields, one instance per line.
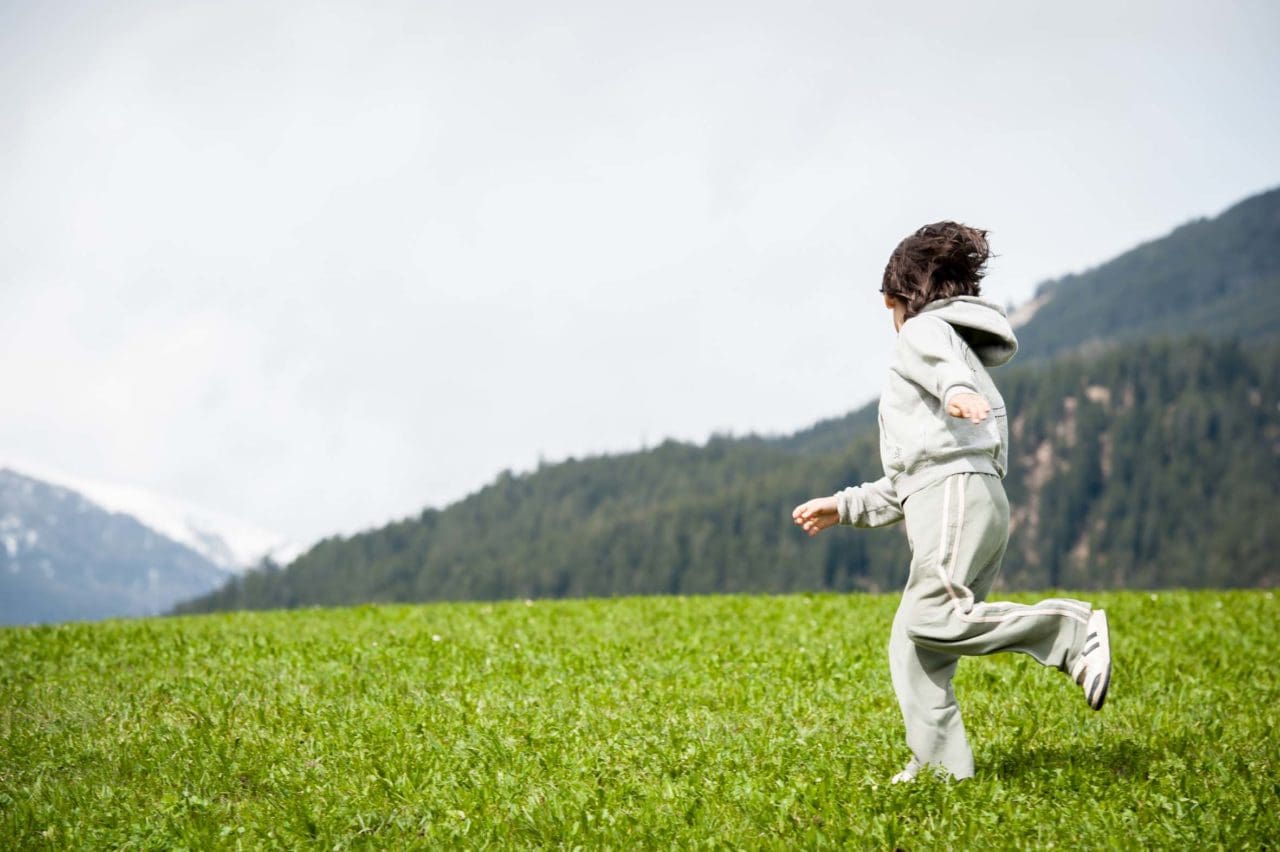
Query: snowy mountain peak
x=230, y=543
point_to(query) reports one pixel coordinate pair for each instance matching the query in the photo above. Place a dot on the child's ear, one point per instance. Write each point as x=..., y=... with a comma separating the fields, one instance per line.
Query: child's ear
x=890, y=301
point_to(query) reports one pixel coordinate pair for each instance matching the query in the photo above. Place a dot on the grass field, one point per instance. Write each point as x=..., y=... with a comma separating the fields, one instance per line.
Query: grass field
x=643, y=722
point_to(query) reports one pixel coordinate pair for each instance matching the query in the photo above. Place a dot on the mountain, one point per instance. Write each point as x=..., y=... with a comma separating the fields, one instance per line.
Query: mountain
x=227, y=542
x=1215, y=277
x=1152, y=465
x=1140, y=457
x=64, y=557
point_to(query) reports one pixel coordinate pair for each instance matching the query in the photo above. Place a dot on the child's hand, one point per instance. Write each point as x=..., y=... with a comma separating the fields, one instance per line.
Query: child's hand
x=816, y=515
x=970, y=406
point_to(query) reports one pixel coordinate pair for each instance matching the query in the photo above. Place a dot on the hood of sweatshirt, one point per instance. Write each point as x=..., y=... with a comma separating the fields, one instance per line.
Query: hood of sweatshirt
x=982, y=324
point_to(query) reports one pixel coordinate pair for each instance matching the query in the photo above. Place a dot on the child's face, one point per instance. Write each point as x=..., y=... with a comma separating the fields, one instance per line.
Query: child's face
x=899, y=309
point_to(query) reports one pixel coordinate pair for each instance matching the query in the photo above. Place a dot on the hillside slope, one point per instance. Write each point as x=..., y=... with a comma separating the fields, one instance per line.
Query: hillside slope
x=1139, y=458
x=228, y=542
x=1216, y=277
x=64, y=557
x=1153, y=465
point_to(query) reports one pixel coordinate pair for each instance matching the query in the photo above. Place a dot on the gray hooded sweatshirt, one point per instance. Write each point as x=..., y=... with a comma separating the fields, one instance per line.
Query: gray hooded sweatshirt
x=942, y=351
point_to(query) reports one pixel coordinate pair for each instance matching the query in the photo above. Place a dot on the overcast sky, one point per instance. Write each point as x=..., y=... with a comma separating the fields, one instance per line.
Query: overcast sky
x=321, y=265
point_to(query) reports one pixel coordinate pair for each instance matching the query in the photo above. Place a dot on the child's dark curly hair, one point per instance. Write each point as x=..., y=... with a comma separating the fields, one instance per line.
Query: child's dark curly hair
x=938, y=261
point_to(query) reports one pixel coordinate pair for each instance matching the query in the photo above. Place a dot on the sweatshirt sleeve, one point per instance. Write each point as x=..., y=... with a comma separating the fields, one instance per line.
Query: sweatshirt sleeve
x=871, y=504
x=929, y=357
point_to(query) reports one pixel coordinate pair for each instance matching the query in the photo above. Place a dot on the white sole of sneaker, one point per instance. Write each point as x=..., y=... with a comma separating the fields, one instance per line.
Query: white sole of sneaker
x=1098, y=672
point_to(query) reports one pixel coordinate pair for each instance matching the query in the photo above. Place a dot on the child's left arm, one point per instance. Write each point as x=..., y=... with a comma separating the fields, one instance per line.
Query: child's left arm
x=929, y=358
x=871, y=504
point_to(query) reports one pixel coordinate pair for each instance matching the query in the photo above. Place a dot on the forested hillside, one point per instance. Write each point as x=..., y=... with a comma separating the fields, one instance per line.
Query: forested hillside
x=1139, y=458
x=1217, y=277
x=1155, y=464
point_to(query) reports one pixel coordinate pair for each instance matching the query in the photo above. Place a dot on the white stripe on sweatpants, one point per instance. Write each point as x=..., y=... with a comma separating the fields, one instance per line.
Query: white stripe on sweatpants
x=1070, y=610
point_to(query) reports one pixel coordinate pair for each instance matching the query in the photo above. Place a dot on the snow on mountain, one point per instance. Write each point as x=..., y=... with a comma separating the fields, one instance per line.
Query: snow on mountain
x=230, y=543
x=64, y=557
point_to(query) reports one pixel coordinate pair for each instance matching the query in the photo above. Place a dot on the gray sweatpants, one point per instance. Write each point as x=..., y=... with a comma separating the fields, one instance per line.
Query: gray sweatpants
x=958, y=529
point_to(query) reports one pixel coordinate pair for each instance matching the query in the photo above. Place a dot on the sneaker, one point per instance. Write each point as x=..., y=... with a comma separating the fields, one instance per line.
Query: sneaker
x=1093, y=670
x=909, y=774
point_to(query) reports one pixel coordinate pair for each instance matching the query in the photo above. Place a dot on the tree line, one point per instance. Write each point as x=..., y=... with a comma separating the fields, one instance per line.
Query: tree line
x=1153, y=464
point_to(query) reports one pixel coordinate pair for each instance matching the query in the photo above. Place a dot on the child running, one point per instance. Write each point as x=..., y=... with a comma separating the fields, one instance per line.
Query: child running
x=944, y=446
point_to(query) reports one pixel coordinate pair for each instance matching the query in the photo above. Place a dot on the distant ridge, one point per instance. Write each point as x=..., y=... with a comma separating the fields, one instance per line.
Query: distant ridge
x=1152, y=465
x=1215, y=277
x=1145, y=452
x=227, y=542
x=63, y=557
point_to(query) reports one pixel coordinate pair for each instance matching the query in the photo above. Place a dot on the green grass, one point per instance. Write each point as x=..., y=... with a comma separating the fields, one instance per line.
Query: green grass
x=642, y=722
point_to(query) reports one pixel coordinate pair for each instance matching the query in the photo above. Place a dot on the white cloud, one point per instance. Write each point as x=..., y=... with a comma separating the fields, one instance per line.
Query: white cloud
x=321, y=265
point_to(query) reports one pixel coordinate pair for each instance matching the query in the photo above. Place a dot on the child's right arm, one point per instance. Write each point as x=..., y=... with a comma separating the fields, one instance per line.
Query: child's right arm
x=871, y=504
x=928, y=356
